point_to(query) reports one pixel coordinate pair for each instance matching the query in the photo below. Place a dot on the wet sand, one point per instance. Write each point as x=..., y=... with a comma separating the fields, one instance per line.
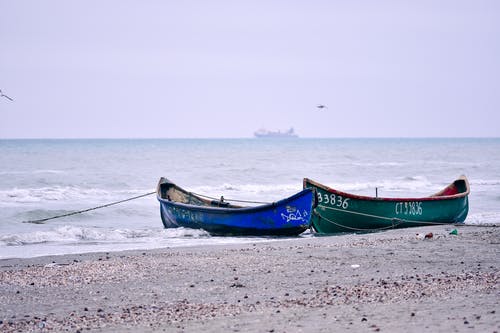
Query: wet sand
x=391, y=281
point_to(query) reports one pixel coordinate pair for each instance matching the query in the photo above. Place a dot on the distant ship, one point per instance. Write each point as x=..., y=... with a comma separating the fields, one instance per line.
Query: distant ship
x=263, y=133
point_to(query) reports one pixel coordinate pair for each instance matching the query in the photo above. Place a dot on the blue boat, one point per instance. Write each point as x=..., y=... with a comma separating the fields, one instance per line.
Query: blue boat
x=180, y=208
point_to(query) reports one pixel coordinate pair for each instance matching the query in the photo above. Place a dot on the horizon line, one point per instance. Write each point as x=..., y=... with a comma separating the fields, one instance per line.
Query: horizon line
x=250, y=137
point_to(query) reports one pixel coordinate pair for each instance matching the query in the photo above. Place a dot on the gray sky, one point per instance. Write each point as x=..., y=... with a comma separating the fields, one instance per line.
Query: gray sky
x=227, y=68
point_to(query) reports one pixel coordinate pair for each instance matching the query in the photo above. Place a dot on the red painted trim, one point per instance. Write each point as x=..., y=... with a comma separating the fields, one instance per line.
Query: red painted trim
x=448, y=193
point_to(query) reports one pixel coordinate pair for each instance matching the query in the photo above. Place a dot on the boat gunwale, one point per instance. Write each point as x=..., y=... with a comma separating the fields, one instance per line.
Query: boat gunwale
x=226, y=210
x=435, y=197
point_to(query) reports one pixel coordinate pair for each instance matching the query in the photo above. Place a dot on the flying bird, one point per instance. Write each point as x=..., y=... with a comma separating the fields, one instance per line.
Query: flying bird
x=2, y=95
x=322, y=106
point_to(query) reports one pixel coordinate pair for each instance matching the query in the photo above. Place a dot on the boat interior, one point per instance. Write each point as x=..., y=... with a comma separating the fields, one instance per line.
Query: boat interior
x=458, y=187
x=171, y=192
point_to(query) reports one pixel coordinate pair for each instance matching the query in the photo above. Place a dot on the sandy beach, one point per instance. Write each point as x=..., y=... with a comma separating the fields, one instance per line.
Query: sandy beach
x=394, y=281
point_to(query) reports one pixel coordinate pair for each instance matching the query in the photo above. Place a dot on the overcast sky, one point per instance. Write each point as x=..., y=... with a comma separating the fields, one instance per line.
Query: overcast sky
x=227, y=68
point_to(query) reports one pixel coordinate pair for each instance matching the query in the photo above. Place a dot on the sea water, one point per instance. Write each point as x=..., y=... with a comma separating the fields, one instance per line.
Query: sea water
x=45, y=178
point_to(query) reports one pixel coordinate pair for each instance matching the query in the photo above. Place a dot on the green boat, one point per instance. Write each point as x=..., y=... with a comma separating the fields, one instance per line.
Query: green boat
x=340, y=212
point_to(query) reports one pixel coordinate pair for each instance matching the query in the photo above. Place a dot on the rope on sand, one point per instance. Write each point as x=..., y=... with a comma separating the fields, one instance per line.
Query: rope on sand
x=40, y=221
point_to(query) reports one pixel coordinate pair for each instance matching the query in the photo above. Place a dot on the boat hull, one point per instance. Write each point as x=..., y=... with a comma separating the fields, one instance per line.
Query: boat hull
x=340, y=212
x=287, y=217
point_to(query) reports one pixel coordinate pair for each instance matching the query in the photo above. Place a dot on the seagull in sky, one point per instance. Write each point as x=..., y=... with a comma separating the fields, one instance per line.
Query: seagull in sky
x=2, y=95
x=321, y=106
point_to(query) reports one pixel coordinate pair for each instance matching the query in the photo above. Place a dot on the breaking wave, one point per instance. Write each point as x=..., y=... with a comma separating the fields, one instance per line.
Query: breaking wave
x=272, y=192
x=485, y=182
x=31, y=172
x=63, y=193
x=69, y=239
x=72, y=234
x=483, y=218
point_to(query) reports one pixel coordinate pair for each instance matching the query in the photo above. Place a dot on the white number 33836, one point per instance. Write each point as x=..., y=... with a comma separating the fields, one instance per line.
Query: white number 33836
x=330, y=199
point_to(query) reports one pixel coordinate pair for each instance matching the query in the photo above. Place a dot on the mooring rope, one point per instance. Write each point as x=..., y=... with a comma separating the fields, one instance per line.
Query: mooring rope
x=40, y=221
x=395, y=221
x=88, y=209
x=352, y=228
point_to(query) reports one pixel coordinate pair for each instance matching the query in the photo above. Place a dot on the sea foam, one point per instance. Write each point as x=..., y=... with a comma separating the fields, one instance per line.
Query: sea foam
x=71, y=234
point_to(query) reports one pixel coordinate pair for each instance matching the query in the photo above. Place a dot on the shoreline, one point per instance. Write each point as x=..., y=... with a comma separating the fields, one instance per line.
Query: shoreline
x=396, y=280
